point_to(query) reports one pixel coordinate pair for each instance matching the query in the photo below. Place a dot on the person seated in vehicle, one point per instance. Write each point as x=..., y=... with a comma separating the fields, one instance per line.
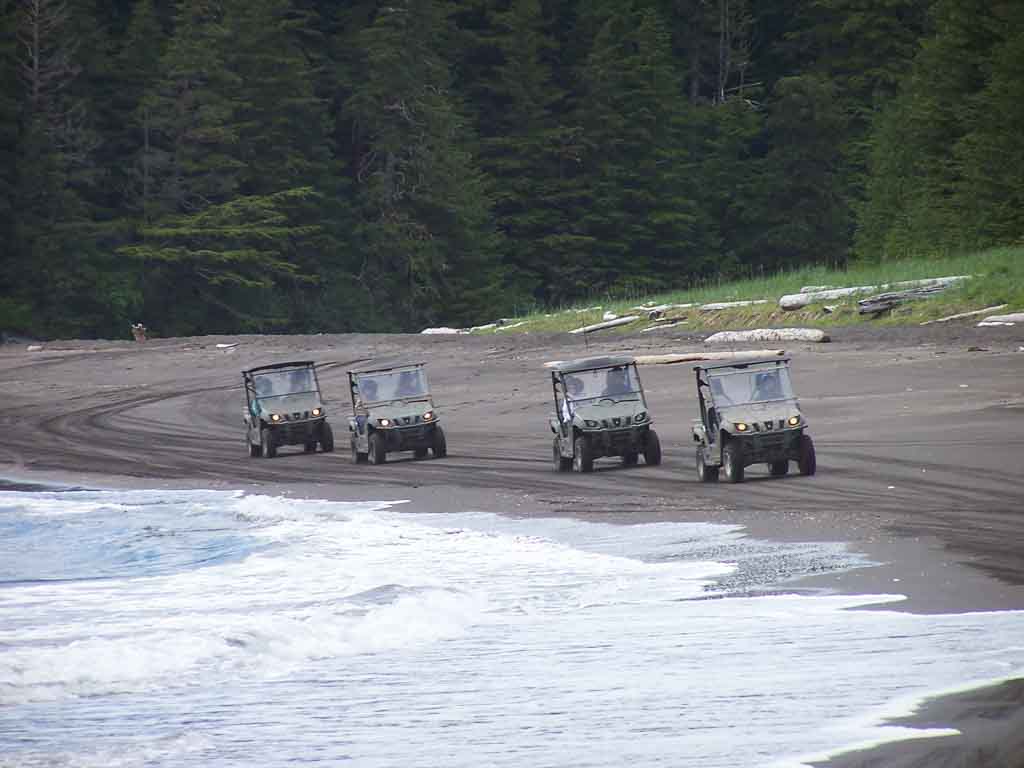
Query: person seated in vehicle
x=300, y=381
x=263, y=385
x=767, y=387
x=616, y=382
x=573, y=389
x=408, y=384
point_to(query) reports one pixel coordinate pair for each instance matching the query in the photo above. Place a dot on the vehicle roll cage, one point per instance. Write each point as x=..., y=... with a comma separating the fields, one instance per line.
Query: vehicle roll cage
x=740, y=368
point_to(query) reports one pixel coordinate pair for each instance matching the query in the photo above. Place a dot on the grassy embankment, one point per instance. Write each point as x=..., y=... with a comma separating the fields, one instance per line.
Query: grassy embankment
x=998, y=279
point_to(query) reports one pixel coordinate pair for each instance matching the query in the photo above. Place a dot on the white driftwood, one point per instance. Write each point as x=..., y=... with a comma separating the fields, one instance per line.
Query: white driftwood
x=696, y=357
x=768, y=334
x=964, y=314
x=714, y=306
x=1016, y=317
x=607, y=324
x=441, y=331
x=512, y=325
x=671, y=324
x=800, y=300
x=816, y=288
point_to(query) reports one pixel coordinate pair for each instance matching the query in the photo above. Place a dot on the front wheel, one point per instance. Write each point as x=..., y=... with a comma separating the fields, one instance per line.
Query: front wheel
x=778, y=468
x=652, y=449
x=561, y=463
x=326, y=438
x=705, y=473
x=255, y=450
x=630, y=459
x=269, y=445
x=357, y=456
x=419, y=453
x=440, y=447
x=808, y=462
x=377, y=453
x=732, y=463
x=582, y=459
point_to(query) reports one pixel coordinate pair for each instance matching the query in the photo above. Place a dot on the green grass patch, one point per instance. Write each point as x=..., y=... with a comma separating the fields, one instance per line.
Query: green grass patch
x=998, y=278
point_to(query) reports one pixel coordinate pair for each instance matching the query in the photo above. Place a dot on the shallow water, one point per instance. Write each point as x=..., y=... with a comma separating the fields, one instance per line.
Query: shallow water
x=214, y=629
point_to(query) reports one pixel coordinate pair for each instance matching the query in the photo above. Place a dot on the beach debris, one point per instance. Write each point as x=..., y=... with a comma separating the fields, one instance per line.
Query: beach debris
x=718, y=305
x=139, y=331
x=34, y=348
x=232, y=345
x=830, y=308
x=696, y=357
x=606, y=324
x=442, y=331
x=965, y=314
x=659, y=323
x=609, y=315
x=511, y=325
x=1011, y=319
x=884, y=302
x=816, y=288
x=977, y=349
x=801, y=300
x=813, y=335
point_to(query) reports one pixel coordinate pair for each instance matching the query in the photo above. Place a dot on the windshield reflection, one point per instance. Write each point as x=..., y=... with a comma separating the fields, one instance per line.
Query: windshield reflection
x=284, y=383
x=742, y=387
x=618, y=383
x=393, y=385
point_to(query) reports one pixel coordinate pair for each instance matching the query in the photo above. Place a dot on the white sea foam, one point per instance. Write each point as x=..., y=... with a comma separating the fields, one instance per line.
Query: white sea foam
x=212, y=628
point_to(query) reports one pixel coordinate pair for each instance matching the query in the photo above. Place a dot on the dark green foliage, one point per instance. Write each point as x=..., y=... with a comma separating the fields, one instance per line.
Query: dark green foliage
x=304, y=165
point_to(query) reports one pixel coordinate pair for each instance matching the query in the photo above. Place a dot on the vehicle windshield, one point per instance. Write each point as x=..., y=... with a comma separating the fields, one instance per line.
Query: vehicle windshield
x=618, y=383
x=283, y=383
x=752, y=386
x=392, y=385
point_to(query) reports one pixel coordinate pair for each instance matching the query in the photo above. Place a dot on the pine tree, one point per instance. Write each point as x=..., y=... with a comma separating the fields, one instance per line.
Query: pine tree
x=426, y=227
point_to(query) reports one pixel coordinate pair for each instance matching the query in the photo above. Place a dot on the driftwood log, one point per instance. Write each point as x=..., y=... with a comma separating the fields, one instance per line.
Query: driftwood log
x=801, y=300
x=883, y=302
x=813, y=335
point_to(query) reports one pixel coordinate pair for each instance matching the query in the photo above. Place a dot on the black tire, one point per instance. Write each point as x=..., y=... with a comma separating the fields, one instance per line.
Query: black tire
x=269, y=444
x=309, y=447
x=732, y=463
x=630, y=459
x=326, y=438
x=808, y=462
x=779, y=468
x=582, y=459
x=440, y=447
x=419, y=453
x=377, y=454
x=255, y=450
x=357, y=457
x=705, y=473
x=652, y=449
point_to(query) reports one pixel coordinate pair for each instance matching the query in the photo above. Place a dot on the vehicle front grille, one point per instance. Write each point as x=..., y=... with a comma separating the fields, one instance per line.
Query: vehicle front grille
x=296, y=416
x=617, y=422
x=769, y=426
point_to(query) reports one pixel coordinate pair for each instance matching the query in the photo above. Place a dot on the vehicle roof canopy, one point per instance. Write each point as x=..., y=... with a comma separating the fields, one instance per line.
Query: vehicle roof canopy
x=280, y=366
x=381, y=368
x=744, y=364
x=592, y=363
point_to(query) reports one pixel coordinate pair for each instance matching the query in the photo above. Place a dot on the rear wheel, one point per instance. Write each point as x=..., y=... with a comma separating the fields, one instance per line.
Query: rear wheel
x=582, y=458
x=377, y=453
x=652, y=449
x=779, y=468
x=732, y=463
x=420, y=453
x=269, y=444
x=808, y=462
x=440, y=447
x=705, y=473
x=255, y=450
x=309, y=447
x=630, y=459
x=326, y=438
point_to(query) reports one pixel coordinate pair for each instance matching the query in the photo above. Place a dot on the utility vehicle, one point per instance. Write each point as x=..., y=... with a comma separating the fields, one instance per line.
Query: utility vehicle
x=392, y=410
x=600, y=410
x=283, y=406
x=749, y=415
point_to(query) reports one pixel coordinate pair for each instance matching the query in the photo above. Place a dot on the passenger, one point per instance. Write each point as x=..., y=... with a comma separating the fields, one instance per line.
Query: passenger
x=264, y=386
x=300, y=381
x=573, y=389
x=616, y=382
x=718, y=392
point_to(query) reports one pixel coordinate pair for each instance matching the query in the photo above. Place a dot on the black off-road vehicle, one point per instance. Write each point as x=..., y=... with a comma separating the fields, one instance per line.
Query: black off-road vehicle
x=600, y=410
x=392, y=410
x=749, y=415
x=283, y=406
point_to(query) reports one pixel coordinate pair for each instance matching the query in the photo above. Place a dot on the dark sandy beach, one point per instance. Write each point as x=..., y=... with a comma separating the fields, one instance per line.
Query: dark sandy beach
x=919, y=433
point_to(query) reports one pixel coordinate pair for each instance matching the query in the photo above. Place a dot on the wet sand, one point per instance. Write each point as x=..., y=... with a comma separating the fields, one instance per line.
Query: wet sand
x=919, y=434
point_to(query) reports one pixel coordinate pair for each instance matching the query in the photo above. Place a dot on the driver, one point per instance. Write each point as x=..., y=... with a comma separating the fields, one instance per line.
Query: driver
x=408, y=384
x=573, y=389
x=616, y=382
x=766, y=386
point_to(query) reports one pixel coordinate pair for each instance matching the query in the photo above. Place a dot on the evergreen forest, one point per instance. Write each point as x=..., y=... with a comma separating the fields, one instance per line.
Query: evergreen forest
x=273, y=166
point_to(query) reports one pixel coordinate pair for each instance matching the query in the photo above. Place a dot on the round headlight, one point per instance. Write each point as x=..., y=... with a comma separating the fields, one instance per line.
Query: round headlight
x=384, y=422
x=317, y=411
x=740, y=426
x=590, y=423
x=428, y=415
x=642, y=416
x=275, y=417
x=794, y=420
